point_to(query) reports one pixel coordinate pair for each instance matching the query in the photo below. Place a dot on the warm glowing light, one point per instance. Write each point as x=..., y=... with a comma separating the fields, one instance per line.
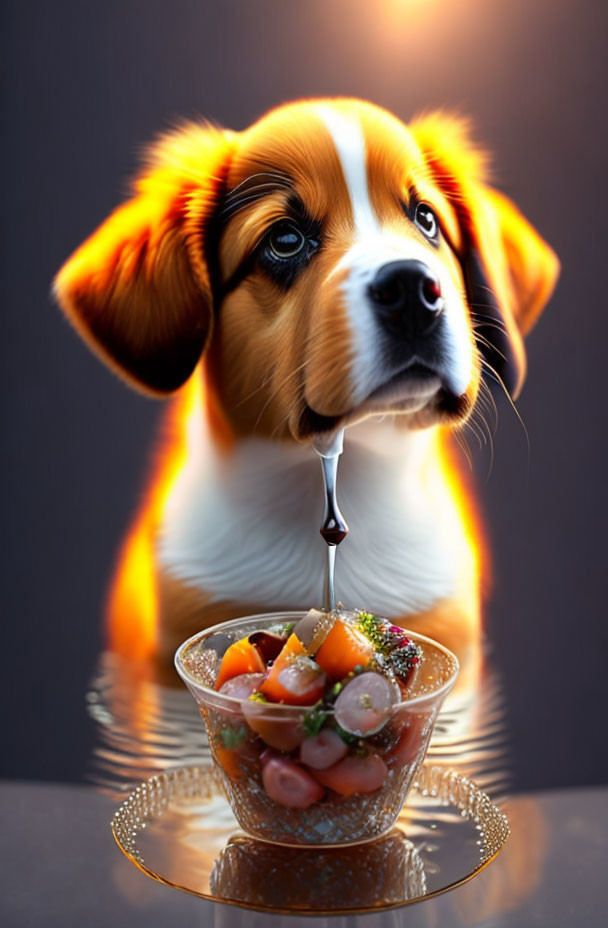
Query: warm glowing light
x=416, y=8
x=133, y=607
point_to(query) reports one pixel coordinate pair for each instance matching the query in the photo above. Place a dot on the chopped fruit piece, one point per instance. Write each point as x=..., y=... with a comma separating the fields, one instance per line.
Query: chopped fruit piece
x=241, y=657
x=344, y=649
x=284, y=734
x=313, y=629
x=230, y=762
x=399, y=653
x=234, y=750
x=323, y=750
x=304, y=628
x=243, y=686
x=386, y=739
x=268, y=644
x=266, y=755
x=354, y=774
x=289, y=784
x=407, y=679
x=240, y=687
x=404, y=659
x=294, y=678
x=411, y=740
x=303, y=681
x=292, y=647
x=380, y=632
x=364, y=705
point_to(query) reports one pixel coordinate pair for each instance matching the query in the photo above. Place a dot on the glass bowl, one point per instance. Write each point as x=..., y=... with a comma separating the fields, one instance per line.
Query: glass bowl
x=245, y=736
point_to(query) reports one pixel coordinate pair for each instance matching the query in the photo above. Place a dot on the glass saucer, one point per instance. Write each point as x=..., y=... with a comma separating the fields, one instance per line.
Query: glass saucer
x=178, y=828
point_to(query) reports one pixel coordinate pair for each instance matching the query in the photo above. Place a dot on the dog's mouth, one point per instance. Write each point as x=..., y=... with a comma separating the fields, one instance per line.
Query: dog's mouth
x=412, y=389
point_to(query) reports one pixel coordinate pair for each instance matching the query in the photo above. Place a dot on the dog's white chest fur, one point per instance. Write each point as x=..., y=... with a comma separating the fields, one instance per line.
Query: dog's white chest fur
x=245, y=527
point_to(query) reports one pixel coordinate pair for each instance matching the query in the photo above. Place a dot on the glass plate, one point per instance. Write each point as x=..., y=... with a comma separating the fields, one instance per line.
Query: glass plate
x=178, y=828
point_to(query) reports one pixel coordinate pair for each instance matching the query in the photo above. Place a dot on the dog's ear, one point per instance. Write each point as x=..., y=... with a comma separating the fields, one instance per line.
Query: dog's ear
x=139, y=289
x=509, y=270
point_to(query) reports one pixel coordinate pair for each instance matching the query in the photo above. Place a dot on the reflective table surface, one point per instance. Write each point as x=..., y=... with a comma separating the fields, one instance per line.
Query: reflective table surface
x=59, y=866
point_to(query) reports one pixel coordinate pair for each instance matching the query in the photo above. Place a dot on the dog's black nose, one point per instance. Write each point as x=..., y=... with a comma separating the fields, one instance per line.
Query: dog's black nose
x=407, y=298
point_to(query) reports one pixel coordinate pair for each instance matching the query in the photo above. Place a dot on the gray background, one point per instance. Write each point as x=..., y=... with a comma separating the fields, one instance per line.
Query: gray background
x=84, y=85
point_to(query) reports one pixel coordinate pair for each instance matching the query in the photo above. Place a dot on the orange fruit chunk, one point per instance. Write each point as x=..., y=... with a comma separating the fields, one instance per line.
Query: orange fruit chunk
x=294, y=678
x=344, y=649
x=241, y=657
x=230, y=762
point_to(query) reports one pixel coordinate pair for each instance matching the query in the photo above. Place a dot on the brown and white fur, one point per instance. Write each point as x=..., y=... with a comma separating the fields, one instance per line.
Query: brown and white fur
x=179, y=287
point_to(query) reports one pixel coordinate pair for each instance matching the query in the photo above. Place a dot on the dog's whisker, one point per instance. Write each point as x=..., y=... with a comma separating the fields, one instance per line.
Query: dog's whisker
x=488, y=344
x=250, y=193
x=489, y=397
x=257, y=389
x=476, y=430
x=277, y=390
x=491, y=317
x=462, y=443
x=266, y=381
x=251, y=189
x=488, y=322
x=270, y=177
x=487, y=402
x=488, y=289
x=493, y=373
x=233, y=208
x=483, y=424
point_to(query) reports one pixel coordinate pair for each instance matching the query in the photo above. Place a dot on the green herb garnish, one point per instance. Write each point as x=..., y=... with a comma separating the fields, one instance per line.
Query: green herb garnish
x=257, y=697
x=314, y=720
x=396, y=652
x=376, y=630
x=282, y=628
x=232, y=737
x=351, y=740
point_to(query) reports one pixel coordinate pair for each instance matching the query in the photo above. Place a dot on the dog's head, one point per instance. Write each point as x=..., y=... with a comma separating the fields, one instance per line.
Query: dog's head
x=331, y=262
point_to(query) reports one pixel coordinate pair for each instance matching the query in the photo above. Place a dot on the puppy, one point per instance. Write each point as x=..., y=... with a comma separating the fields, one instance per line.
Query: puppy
x=329, y=266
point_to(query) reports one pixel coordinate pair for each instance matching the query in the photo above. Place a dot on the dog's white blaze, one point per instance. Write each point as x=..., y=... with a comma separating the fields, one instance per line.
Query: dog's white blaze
x=349, y=141
x=246, y=527
x=348, y=138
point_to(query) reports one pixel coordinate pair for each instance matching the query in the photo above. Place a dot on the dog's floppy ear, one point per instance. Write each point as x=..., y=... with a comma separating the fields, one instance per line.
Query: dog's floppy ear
x=139, y=289
x=509, y=270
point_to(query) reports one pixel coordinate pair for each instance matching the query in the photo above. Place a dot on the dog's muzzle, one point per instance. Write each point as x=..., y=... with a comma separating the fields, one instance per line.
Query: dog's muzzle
x=406, y=297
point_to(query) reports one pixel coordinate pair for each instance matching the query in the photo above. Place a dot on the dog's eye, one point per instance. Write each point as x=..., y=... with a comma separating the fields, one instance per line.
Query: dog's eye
x=287, y=248
x=286, y=240
x=426, y=220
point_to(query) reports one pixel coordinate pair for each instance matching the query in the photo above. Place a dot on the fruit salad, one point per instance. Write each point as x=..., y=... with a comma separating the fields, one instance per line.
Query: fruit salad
x=317, y=725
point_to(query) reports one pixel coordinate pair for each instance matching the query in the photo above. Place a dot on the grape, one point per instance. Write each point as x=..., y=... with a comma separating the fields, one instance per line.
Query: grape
x=354, y=774
x=364, y=705
x=239, y=687
x=284, y=734
x=413, y=733
x=323, y=750
x=303, y=679
x=243, y=686
x=289, y=784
